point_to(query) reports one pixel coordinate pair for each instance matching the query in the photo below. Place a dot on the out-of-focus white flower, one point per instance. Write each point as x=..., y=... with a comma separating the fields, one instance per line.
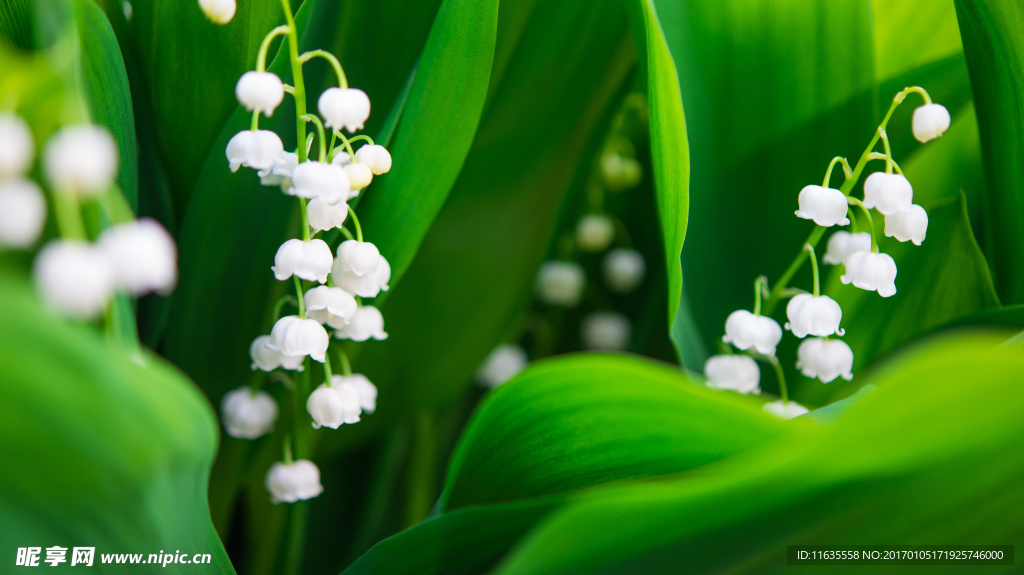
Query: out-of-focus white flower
x=929, y=122
x=17, y=147
x=872, y=272
x=256, y=149
x=341, y=159
x=81, y=160
x=266, y=359
x=359, y=176
x=502, y=364
x=333, y=405
x=295, y=337
x=126, y=7
x=75, y=277
x=560, y=283
x=344, y=108
x=909, y=225
x=280, y=173
x=746, y=330
x=826, y=206
x=624, y=269
x=606, y=331
x=814, y=315
x=262, y=91
x=734, y=372
x=825, y=359
x=595, y=232
x=324, y=216
x=330, y=305
x=367, y=285
x=144, y=256
x=366, y=323
x=310, y=260
x=842, y=244
x=367, y=391
x=248, y=413
x=888, y=193
x=376, y=157
x=298, y=481
x=316, y=180
x=360, y=258
x=785, y=409
x=620, y=172
x=22, y=213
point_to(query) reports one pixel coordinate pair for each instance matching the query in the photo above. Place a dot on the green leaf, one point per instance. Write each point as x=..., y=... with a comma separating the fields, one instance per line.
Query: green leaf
x=104, y=450
x=912, y=33
x=994, y=47
x=13, y=33
x=936, y=446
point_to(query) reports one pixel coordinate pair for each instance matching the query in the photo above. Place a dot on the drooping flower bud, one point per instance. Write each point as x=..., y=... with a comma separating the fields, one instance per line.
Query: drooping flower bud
x=376, y=157
x=909, y=225
x=261, y=91
x=624, y=269
x=595, y=232
x=316, y=180
x=218, y=11
x=367, y=391
x=324, y=216
x=785, y=409
x=22, y=213
x=310, y=260
x=75, y=277
x=344, y=108
x=144, y=256
x=734, y=372
x=888, y=193
x=256, y=149
x=842, y=244
x=266, y=359
x=359, y=176
x=872, y=272
x=620, y=172
x=298, y=481
x=330, y=305
x=248, y=413
x=814, y=315
x=17, y=147
x=368, y=285
x=360, y=258
x=605, y=331
x=929, y=122
x=746, y=330
x=295, y=337
x=280, y=173
x=366, y=323
x=825, y=359
x=334, y=405
x=81, y=160
x=826, y=206
x=560, y=283
x=502, y=364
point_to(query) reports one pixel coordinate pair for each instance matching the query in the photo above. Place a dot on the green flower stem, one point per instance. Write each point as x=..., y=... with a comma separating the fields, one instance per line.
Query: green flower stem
x=255, y=125
x=346, y=367
x=906, y=91
x=368, y=139
x=328, y=372
x=867, y=214
x=261, y=57
x=758, y=283
x=320, y=132
x=338, y=70
x=782, y=379
x=355, y=220
x=299, y=297
x=287, y=445
x=888, y=150
x=881, y=156
x=300, y=84
x=69, y=216
x=334, y=141
x=280, y=303
x=288, y=89
x=347, y=143
x=347, y=234
x=832, y=164
x=305, y=219
x=814, y=269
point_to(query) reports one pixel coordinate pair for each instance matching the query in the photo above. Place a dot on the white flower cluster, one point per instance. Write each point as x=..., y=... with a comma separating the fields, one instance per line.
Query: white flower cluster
x=75, y=276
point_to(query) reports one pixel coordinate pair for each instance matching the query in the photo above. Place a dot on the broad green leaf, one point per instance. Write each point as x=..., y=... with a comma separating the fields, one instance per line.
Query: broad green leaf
x=576, y=422
x=13, y=33
x=911, y=33
x=994, y=46
x=104, y=450
x=936, y=446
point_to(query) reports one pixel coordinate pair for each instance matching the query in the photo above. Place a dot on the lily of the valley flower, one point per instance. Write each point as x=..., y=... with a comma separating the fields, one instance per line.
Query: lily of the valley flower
x=324, y=216
x=623, y=269
x=17, y=147
x=888, y=193
x=143, y=254
x=218, y=11
x=365, y=324
x=266, y=359
x=842, y=244
x=260, y=91
x=733, y=372
x=367, y=391
x=22, y=213
x=317, y=180
x=248, y=413
x=344, y=108
x=910, y=225
x=785, y=409
x=363, y=285
x=376, y=157
x=826, y=206
x=605, y=330
x=929, y=122
x=75, y=277
x=256, y=149
x=825, y=359
x=291, y=482
x=560, y=283
x=502, y=364
x=310, y=260
x=330, y=305
x=871, y=271
x=814, y=315
x=359, y=176
x=280, y=173
x=360, y=258
x=333, y=405
x=595, y=232
x=746, y=330
x=81, y=160
x=295, y=337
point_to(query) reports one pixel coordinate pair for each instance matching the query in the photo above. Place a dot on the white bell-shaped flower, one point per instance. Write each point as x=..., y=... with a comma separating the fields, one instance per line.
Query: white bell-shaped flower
x=605, y=331
x=595, y=232
x=360, y=258
x=256, y=149
x=368, y=285
x=266, y=359
x=75, y=277
x=888, y=193
x=814, y=315
x=295, y=337
x=367, y=391
x=502, y=364
x=316, y=180
x=929, y=122
x=248, y=413
x=826, y=206
x=218, y=11
x=344, y=108
x=330, y=305
x=365, y=324
x=359, y=176
x=825, y=359
x=280, y=173
x=341, y=159
x=297, y=481
x=333, y=405
x=624, y=269
x=22, y=213
x=560, y=283
x=81, y=160
x=842, y=244
x=785, y=409
x=746, y=330
x=871, y=271
x=261, y=91
x=908, y=226
x=144, y=256
x=734, y=372
x=310, y=260
x=376, y=157
x=17, y=147
x=324, y=216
